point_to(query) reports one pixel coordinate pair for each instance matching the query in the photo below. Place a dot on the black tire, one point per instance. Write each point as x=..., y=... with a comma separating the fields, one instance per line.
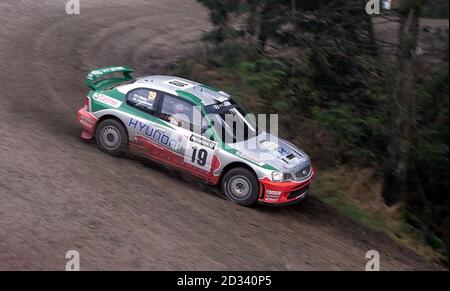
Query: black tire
x=240, y=186
x=112, y=137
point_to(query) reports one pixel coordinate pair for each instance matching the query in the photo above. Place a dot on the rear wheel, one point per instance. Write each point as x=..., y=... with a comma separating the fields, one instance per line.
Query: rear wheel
x=240, y=186
x=112, y=137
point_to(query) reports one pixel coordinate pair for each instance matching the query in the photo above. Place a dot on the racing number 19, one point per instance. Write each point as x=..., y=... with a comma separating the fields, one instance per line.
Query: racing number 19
x=200, y=156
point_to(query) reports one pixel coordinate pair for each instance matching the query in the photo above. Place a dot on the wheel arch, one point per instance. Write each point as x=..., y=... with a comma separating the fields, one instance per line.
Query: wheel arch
x=110, y=116
x=234, y=165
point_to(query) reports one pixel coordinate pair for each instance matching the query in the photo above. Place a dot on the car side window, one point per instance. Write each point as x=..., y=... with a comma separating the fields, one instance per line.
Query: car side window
x=143, y=98
x=178, y=112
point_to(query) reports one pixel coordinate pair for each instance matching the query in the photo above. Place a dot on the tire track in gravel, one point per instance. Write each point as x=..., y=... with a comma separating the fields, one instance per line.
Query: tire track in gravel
x=58, y=193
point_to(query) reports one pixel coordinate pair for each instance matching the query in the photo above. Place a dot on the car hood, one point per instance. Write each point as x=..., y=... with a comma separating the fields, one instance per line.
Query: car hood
x=266, y=149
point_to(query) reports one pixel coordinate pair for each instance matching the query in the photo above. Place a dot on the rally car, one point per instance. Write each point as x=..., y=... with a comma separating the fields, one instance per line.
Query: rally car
x=185, y=124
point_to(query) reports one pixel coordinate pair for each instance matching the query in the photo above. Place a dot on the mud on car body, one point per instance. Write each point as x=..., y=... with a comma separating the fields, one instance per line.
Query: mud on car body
x=154, y=117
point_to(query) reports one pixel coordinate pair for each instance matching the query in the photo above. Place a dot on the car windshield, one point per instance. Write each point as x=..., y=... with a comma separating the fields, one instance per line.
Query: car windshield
x=231, y=122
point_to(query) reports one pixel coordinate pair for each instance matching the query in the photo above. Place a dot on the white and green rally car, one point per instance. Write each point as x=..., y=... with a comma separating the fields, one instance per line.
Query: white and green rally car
x=186, y=125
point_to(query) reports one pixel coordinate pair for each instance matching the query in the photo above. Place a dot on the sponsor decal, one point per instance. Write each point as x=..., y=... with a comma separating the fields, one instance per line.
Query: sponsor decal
x=154, y=134
x=102, y=98
x=98, y=73
x=203, y=141
x=199, y=152
x=152, y=95
x=221, y=106
x=224, y=104
x=250, y=158
x=272, y=195
x=143, y=98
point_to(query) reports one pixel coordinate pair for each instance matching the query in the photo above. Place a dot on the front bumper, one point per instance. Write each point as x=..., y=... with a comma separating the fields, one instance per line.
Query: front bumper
x=281, y=193
x=87, y=122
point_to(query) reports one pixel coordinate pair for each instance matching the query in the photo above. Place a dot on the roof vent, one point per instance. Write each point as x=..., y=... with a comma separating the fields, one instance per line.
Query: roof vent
x=224, y=94
x=179, y=84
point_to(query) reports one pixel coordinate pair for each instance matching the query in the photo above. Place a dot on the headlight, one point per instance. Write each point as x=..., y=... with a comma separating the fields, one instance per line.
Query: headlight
x=281, y=177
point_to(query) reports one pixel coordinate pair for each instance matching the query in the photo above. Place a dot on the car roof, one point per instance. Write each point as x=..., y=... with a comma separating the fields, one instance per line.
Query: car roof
x=194, y=91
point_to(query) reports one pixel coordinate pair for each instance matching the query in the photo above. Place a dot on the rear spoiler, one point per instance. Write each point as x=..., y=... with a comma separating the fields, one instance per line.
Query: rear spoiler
x=95, y=81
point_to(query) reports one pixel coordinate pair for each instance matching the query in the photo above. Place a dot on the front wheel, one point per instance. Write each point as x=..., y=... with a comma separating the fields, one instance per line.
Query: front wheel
x=240, y=186
x=112, y=137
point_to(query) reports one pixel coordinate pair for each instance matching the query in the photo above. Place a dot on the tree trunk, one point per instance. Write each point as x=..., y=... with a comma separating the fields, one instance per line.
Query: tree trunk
x=394, y=186
x=264, y=27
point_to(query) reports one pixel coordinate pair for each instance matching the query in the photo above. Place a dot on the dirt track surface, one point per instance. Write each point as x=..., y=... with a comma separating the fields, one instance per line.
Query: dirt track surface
x=58, y=193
